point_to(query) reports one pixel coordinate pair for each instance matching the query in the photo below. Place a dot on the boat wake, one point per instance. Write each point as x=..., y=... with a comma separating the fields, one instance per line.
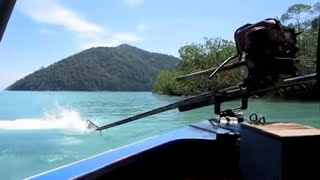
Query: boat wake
x=60, y=118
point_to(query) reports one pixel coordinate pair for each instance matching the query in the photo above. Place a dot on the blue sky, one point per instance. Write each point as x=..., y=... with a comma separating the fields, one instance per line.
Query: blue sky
x=41, y=32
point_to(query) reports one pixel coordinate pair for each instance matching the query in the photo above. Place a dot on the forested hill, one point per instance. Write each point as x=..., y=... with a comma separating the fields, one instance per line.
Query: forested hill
x=121, y=68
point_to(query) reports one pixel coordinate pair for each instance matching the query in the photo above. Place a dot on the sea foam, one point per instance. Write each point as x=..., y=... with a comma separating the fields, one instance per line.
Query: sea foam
x=60, y=118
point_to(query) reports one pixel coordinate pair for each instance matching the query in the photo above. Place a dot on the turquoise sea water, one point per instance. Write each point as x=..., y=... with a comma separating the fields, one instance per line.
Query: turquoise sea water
x=40, y=131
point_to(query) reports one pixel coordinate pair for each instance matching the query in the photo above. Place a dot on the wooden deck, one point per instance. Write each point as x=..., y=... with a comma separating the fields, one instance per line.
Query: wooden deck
x=286, y=129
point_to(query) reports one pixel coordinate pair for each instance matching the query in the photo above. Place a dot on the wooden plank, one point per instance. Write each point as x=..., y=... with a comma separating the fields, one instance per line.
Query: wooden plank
x=286, y=129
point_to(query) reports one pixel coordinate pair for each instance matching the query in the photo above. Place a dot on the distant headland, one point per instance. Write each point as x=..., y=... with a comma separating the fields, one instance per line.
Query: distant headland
x=121, y=68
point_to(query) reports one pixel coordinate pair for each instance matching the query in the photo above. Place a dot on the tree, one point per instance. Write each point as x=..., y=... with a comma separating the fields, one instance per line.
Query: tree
x=316, y=8
x=196, y=57
x=307, y=21
x=211, y=53
x=296, y=12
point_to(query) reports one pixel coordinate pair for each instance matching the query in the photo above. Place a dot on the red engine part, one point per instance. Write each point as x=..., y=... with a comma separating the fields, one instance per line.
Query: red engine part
x=241, y=37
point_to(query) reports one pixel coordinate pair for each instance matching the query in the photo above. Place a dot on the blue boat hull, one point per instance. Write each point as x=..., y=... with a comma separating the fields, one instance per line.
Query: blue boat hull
x=187, y=153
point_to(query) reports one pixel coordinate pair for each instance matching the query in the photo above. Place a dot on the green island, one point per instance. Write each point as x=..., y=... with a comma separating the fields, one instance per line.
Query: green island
x=213, y=51
x=121, y=68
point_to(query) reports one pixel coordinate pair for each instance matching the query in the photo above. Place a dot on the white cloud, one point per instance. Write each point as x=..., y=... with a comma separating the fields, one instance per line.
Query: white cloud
x=143, y=27
x=52, y=12
x=110, y=40
x=47, y=31
x=126, y=37
x=133, y=2
x=180, y=19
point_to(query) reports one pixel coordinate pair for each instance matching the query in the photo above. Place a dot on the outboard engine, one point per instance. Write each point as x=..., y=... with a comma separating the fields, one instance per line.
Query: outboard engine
x=269, y=49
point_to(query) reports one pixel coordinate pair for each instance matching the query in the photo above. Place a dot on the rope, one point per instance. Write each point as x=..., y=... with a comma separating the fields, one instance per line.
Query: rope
x=254, y=119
